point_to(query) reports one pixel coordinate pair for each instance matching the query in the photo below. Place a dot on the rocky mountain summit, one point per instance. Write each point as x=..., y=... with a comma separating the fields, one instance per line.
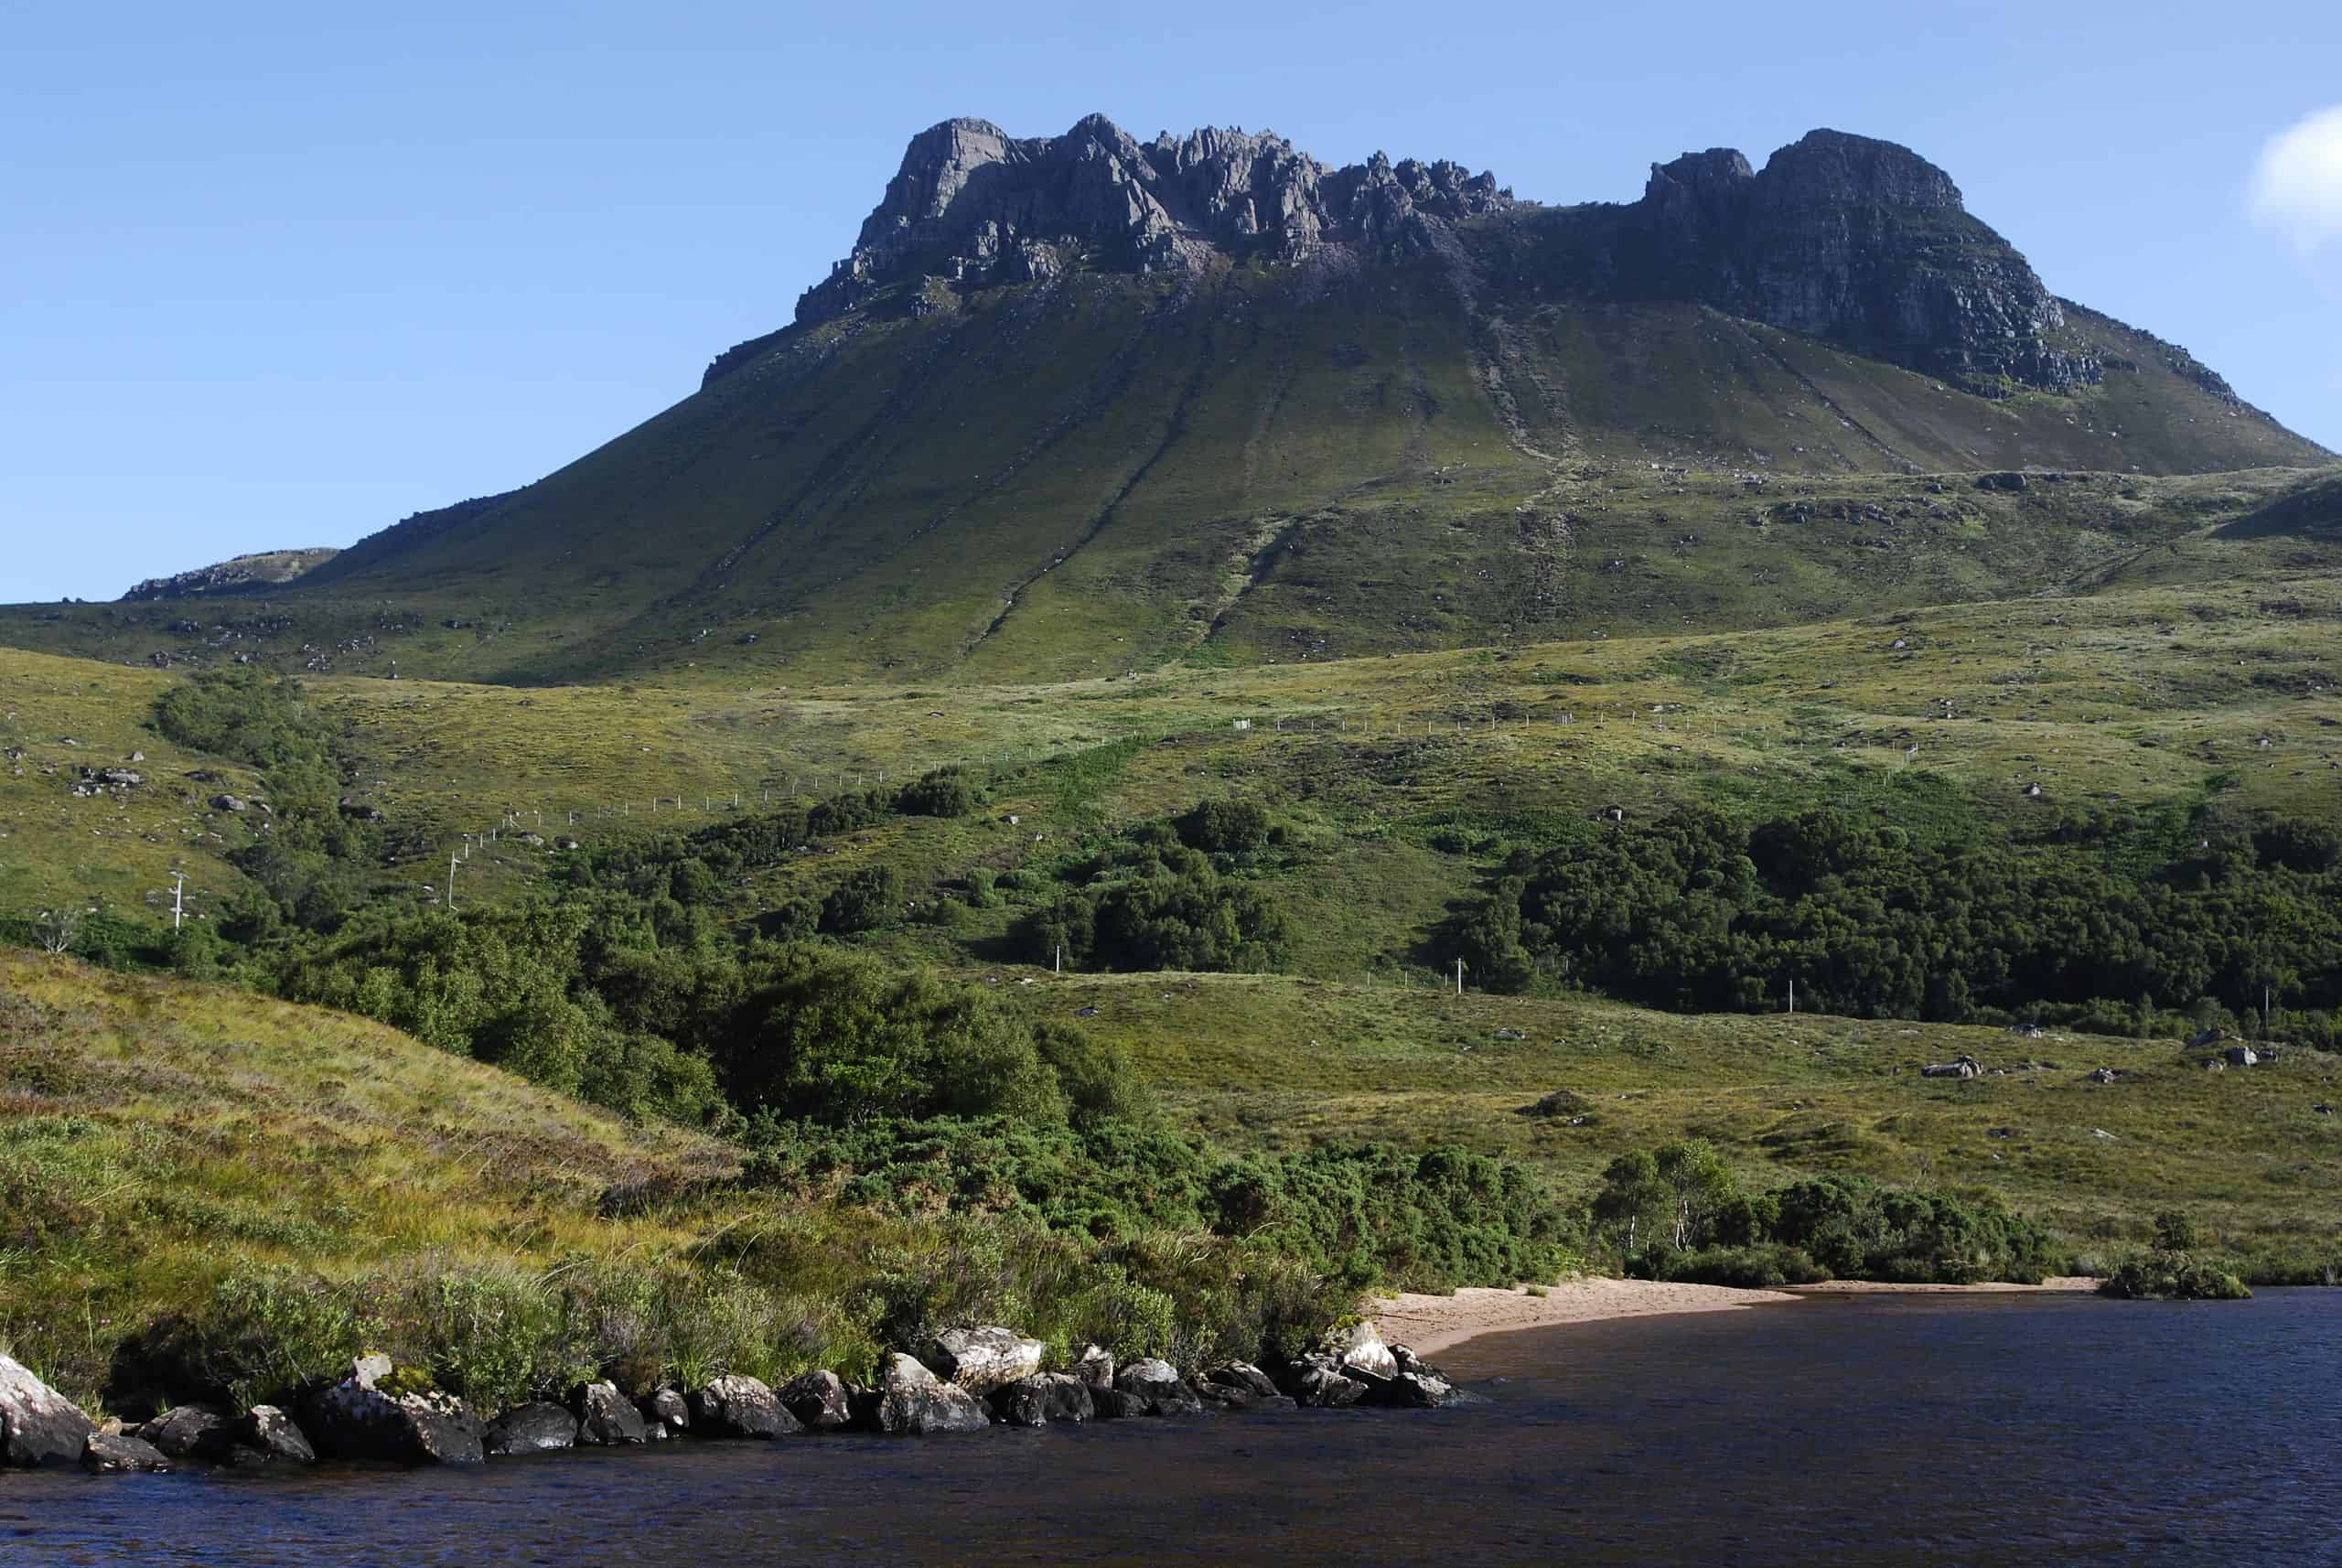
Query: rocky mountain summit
x=1860, y=242
x=1857, y=242
x=974, y=205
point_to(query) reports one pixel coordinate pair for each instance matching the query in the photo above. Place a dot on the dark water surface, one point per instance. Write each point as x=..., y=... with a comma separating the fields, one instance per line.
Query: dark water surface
x=1881, y=1431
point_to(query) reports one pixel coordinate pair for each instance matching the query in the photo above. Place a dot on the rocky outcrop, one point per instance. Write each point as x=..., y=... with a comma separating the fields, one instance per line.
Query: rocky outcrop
x=819, y=1401
x=1857, y=241
x=913, y=1400
x=267, y=568
x=737, y=1406
x=1840, y=237
x=538, y=1428
x=981, y=1359
x=973, y=205
x=379, y=1412
x=38, y=1425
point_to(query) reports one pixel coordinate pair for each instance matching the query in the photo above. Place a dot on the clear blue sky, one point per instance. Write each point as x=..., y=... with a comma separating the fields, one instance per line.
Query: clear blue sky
x=272, y=274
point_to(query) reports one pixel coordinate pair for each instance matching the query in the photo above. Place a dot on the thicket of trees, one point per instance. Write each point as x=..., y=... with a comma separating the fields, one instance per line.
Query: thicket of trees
x=2118, y=924
x=1151, y=901
x=1678, y=1213
x=312, y=860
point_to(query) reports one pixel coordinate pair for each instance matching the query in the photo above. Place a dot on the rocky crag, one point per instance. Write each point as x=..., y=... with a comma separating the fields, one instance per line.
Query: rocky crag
x=1857, y=242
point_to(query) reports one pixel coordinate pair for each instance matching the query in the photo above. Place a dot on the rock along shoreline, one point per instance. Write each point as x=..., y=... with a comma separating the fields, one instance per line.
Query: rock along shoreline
x=967, y=1380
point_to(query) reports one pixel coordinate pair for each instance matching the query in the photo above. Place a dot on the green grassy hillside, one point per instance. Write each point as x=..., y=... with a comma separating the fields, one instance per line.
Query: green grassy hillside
x=1075, y=480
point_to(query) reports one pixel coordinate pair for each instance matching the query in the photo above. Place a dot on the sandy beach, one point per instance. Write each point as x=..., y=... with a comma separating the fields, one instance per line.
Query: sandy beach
x=1430, y=1324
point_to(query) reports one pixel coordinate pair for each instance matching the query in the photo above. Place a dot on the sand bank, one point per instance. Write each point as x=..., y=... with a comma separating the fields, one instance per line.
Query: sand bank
x=1432, y=1324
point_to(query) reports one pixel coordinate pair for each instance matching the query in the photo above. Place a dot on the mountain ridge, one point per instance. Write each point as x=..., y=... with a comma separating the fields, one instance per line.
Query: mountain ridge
x=1082, y=405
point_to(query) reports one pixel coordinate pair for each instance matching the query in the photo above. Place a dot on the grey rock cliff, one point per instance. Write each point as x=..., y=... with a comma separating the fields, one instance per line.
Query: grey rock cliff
x=1856, y=241
x=972, y=205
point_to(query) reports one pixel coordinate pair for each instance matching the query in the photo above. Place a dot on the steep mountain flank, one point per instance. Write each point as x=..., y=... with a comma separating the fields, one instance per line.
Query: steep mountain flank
x=1074, y=405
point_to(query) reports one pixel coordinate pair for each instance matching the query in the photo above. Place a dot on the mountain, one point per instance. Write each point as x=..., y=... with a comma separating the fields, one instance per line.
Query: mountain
x=1078, y=404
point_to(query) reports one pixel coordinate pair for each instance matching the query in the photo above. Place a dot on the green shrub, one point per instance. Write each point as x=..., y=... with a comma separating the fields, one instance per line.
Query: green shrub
x=2172, y=1276
x=943, y=793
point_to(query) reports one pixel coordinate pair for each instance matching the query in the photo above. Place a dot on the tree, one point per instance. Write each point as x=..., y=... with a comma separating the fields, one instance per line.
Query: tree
x=58, y=928
x=1696, y=1184
x=1632, y=1204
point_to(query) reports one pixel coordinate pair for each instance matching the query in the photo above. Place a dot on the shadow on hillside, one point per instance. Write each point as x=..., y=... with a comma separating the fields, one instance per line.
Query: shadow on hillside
x=2314, y=510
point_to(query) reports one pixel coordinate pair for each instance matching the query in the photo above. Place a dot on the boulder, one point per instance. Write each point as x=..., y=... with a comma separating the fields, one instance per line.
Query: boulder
x=665, y=1414
x=1244, y=1378
x=606, y=1418
x=1420, y=1390
x=818, y=1401
x=1159, y=1384
x=1318, y=1383
x=227, y=803
x=1096, y=1369
x=103, y=1454
x=1362, y=1348
x=190, y=1432
x=36, y=1422
x=403, y=1420
x=1114, y=1404
x=982, y=1359
x=264, y=1434
x=1039, y=1399
x=737, y=1406
x=912, y=1400
x=538, y=1428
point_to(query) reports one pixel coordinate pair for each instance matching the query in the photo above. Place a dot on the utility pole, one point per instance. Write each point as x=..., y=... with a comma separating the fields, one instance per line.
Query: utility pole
x=1459, y=977
x=1792, y=995
x=450, y=899
x=178, y=898
x=1057, y=965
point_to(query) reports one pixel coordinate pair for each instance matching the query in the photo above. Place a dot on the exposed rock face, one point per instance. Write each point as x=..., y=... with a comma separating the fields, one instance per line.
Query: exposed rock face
x=264, y=569
x=973, y=205
x=819, y=1401
x=1857, y=241
x=981, y=1359
x=912, y=1400
x=537, y=1428
x=736, y=1406
x=38, y=1425
x=1840, y=237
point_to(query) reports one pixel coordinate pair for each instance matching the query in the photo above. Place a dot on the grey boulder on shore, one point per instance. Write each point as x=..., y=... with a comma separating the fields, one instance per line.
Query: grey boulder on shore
x=38, y=1425
x=914, y=1401
x=738, y=1406
x=982, y=1359
x=356, y=1420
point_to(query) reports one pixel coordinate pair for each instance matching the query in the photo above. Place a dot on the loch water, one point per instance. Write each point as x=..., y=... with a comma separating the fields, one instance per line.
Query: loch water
x=1880, y=1431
